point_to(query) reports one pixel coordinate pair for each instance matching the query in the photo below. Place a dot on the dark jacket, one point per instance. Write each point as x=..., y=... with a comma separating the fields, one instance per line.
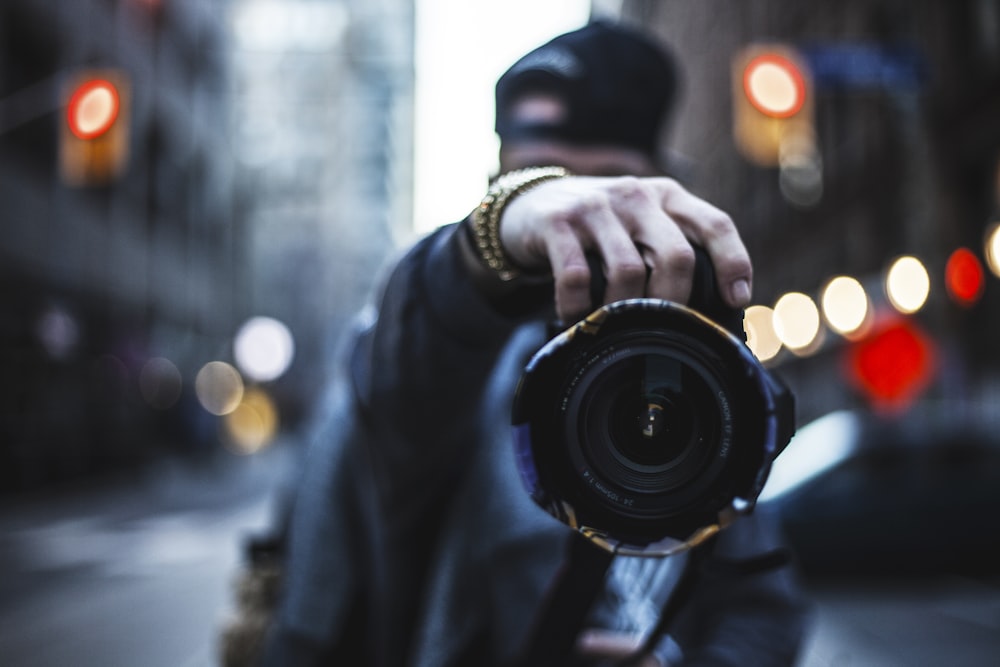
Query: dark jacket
x=412, y=542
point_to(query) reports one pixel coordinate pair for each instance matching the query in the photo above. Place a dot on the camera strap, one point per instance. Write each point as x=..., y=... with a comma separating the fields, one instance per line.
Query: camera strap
x=565, y=609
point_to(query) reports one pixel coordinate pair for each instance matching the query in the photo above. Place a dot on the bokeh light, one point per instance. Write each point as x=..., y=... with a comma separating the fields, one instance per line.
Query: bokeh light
x=801, y=180
x=964, y=277
x=219, y=387
x=58, y=332
x=758, y=323
x=264, y=348
x=796, y=321
x=907, y=285
x=774, y=85
x=253, y=424
x=892, y=366
x=992, y=248
x=160, y=383
x=845, y=305
x=92, y=109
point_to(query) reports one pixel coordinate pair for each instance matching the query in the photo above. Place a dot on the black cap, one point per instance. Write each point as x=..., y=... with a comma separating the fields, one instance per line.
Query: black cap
x=616, y=83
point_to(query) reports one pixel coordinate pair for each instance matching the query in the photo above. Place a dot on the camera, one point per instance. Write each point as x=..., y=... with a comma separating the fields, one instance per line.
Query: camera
x=649, y=425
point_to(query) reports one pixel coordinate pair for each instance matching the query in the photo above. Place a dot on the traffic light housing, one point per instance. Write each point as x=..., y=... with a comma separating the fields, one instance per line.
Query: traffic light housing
x=772, y=103
x=94, y=130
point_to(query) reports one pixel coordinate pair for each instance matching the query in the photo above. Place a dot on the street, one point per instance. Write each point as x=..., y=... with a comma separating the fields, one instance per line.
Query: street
x=137, y=572
x=947, y=621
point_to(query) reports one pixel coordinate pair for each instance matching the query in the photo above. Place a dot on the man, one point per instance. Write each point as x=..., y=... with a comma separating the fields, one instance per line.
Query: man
x=411, y=541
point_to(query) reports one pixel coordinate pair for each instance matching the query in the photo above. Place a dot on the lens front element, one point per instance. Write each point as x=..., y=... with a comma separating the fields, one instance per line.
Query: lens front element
x=645, y=421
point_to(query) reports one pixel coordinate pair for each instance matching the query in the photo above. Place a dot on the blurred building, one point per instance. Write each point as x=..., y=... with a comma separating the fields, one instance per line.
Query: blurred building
x=323, y=127
x=107, y=265
x=900, y=157
x=257, y=166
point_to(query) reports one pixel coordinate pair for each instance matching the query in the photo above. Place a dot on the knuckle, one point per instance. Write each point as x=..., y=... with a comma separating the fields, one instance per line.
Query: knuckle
x=631, y=190
x=681, y=258
x=575, y=278
x=627, y=272
x=718, y=224
x=588, y=204
x=628, y=186
x=669, y=186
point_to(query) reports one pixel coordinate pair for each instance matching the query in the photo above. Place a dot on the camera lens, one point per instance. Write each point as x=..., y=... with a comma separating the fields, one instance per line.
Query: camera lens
x=645, y=420
x=645, y=423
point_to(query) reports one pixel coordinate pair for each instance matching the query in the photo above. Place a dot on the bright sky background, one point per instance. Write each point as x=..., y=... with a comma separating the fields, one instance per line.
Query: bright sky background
x=462, y=47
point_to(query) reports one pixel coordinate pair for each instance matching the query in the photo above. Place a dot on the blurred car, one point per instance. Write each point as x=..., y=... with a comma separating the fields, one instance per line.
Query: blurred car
x=916, y=494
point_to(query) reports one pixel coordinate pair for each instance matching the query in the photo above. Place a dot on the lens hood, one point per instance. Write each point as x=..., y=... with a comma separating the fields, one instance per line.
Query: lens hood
x=647, y=426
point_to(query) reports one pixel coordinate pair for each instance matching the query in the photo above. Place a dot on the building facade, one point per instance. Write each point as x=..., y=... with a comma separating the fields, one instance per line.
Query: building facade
x=259, y=165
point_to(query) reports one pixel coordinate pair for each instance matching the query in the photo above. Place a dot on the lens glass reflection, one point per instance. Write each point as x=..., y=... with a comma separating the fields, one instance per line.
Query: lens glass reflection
x=648, y=421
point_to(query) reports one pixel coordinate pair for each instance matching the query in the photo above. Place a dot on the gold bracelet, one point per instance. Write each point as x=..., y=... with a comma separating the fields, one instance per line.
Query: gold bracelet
x=486, y=216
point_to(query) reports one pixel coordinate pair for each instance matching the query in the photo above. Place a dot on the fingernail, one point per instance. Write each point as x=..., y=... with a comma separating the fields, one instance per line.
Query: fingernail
x=740, y=292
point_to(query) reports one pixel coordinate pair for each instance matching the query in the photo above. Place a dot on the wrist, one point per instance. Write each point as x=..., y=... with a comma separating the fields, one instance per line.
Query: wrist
x=486, y=218
x=518, y=296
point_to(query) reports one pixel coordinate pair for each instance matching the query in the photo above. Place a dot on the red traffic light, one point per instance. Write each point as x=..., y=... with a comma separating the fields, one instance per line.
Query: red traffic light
x=774, y=85
x=93, y=108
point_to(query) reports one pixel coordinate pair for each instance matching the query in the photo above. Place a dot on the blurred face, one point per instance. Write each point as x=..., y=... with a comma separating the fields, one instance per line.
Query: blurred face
x=601, y=160
x=580, y=160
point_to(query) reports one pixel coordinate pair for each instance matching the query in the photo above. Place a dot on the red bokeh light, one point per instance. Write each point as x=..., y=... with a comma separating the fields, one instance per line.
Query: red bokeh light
x=893, y=365
x=964, y=277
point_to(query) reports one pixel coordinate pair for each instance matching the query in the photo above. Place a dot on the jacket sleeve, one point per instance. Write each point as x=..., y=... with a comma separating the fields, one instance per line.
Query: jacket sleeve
x=421, y=369
x=322, y=609
x=419, y=373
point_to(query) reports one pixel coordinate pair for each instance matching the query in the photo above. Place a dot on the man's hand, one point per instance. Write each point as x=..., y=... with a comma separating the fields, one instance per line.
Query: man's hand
x=641, y=228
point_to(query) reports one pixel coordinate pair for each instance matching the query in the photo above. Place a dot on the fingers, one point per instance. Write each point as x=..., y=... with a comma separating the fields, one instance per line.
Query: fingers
x=642, y=229
x=715, y=231
x=666, y=254
x=593, y=226
x=623, y=265
x=570, y=274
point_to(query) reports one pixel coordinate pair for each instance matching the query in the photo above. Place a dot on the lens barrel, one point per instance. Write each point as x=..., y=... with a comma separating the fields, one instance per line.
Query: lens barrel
x=645, y=421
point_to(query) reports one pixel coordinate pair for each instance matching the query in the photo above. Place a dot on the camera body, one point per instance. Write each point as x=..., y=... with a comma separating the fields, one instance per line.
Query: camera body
x=648, y=425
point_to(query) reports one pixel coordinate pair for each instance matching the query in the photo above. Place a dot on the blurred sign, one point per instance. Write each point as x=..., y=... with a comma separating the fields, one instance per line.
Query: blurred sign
x=865, y=66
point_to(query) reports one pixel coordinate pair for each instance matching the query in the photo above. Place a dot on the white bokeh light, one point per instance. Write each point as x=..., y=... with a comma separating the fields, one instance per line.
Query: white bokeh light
x=796, y=321
x=845, y=305
x=219, y=387
x=758, y=322
x=263, y=349
x=907, y=285
x=992, y=248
